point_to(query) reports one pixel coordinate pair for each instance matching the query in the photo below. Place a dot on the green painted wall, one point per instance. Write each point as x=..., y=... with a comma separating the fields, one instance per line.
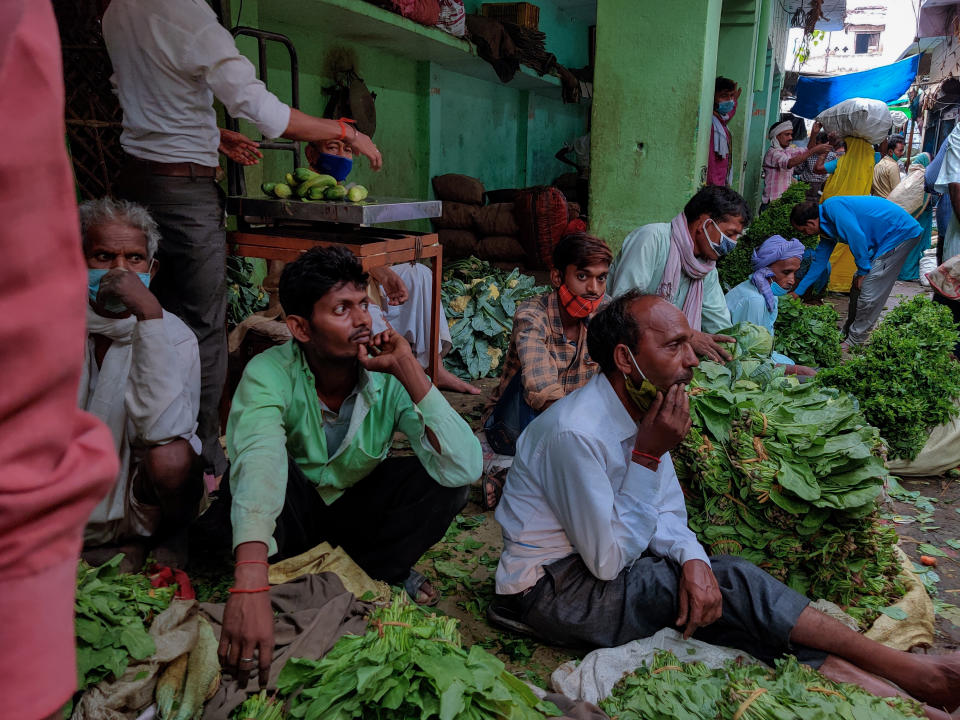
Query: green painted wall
x=739, y=25
x=566, y=35
x=651, y=111
x=752, y=181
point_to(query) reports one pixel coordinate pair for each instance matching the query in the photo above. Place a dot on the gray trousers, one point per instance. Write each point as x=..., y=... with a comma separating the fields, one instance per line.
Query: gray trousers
x=571, y=607
x=876, y=289
x=191, y=279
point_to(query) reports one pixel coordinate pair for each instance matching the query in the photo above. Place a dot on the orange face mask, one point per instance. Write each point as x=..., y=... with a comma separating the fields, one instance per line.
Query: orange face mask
x=578, y=306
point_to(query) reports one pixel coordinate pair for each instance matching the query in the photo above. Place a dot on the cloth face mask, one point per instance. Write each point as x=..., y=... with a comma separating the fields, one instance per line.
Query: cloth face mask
x=777, y=290
x=577, y=305
x=335, y=166
x=94, y=276
x=644, y=395
x=725, y=245
x=725, y=107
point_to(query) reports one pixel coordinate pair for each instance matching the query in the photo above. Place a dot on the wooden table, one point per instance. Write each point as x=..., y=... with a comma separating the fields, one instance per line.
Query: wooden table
x=374, y=247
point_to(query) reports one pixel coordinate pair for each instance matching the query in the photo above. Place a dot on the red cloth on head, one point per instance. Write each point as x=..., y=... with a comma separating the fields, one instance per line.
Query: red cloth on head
x=57, y=461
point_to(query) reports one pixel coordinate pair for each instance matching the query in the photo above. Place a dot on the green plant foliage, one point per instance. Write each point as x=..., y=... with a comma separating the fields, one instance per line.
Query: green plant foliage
x=111, y=613
x=480, y=301
x=407, y=665
x=668, y=689
x=735, y=267
x=786, y=475
x=243, y=297
x=906, y=378
x=807, y=334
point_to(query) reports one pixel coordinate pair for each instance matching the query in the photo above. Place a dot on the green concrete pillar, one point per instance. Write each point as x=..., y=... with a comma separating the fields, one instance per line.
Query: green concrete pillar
x=736, y=59
x=653, y=96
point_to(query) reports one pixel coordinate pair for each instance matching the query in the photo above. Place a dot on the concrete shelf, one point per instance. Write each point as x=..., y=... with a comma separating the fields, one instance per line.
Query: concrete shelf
x=362, y=22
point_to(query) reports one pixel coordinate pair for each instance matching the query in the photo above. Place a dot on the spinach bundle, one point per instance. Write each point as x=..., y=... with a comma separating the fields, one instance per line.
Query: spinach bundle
x=408, y=665
x=668, y=689
x=787, y=475
x=906, y=378
x=807, y=334
x=480, y=301
x=112, y=610
x=735, y=267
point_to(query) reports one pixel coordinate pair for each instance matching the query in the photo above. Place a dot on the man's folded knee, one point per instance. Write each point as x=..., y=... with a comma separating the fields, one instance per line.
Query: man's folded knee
x=171, y=466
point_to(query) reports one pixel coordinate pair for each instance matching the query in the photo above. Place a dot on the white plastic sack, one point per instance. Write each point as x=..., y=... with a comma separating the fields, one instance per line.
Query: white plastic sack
x=453, y=17
x=909, y=193
x=941, y=453
x=928, y=263
x=858, y=117
x=593, y=679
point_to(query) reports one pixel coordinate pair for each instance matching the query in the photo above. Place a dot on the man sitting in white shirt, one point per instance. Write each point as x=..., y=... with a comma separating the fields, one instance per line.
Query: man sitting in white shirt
x=597, y=551
x=141, y=377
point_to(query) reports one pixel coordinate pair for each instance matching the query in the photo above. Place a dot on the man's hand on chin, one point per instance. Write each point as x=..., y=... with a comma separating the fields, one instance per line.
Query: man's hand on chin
x=389, y=352
x=708, y=346
x=700, y=601
x=127, y=288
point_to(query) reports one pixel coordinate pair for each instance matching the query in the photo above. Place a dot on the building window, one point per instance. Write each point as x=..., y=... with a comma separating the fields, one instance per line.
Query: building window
x=867, y=43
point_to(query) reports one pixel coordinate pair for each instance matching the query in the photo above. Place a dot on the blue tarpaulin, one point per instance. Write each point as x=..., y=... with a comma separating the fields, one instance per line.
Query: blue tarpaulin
x=887, y=83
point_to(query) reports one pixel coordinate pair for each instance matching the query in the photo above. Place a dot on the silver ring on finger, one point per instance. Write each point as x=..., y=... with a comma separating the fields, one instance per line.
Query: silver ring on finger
x=247, y=660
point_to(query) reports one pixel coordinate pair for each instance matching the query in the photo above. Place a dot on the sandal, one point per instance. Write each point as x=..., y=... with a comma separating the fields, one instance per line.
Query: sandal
x=414, y=585
x=491, y=483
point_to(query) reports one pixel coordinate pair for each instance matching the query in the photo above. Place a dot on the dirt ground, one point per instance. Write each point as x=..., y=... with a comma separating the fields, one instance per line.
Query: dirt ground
x=462, y=565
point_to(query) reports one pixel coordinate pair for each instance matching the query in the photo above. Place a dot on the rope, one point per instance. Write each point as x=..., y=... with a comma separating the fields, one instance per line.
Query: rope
x=666, y=667
x=825, y=691
x=748, y=702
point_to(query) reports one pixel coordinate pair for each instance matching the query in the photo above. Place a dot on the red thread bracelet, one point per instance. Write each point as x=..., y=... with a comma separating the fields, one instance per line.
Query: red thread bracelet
x=256, y=590
x=343, y=127
x=645, y=456
x=252, y=562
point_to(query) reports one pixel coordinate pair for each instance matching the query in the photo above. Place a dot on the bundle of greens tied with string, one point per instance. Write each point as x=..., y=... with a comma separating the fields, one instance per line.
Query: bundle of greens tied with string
x=668, y=689
x=408, y=664
x=480, y=301
x=787, y=475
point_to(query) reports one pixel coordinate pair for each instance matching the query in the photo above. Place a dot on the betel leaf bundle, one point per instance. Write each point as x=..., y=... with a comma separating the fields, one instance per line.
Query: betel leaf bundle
x=112, y=611
x=807, y=334
x=668, y=689
x=480, y=301
x=409, y=664
x=787, y=475
x=906, y=377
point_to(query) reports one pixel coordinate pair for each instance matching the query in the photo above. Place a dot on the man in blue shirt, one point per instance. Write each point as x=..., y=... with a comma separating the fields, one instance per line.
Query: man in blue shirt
x=880, y=234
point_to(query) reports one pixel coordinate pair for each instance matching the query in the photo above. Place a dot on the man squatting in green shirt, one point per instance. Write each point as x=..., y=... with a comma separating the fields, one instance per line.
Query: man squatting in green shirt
x=309, y=432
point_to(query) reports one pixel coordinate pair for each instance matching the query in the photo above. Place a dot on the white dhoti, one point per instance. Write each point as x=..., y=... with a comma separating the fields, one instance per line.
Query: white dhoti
x=412, y=318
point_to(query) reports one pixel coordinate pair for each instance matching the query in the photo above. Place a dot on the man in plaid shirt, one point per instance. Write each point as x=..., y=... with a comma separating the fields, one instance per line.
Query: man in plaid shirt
x=547, y=358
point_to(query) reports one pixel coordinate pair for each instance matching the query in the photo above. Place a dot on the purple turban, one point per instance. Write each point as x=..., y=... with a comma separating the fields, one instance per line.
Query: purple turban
x=770, y=251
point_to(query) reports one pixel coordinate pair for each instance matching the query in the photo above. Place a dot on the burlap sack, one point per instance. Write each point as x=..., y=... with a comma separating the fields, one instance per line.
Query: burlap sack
x=458, y=188
x=456, y=216
x=326, y=558
x=501, y=247
x=496, y=220
x=458, y=244
x=916, y=630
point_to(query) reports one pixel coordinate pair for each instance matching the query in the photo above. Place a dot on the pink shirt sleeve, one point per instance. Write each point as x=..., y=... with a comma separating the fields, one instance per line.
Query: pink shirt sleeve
x=57, y=461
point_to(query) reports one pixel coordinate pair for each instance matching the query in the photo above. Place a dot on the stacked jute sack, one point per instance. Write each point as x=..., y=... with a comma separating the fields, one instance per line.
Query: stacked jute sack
x=469, y=227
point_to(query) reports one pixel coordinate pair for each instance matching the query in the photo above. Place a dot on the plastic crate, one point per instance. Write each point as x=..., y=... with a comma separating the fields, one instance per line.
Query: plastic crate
x=519, y=13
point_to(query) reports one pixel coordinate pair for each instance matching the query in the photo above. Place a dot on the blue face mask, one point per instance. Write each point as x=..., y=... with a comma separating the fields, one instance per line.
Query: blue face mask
x=334, y=165
x=94, y=276
x=724, y=246
x=724, y=107
x=777, y=290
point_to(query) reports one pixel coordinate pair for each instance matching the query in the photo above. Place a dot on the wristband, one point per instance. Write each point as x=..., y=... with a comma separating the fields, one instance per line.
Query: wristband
x=255, y=590
x=641, y=456
x=252, y=562
x=343, y=128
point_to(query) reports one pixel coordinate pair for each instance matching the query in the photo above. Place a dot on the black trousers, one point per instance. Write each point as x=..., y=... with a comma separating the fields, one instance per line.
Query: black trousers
x=191, y=278
x=385, y=522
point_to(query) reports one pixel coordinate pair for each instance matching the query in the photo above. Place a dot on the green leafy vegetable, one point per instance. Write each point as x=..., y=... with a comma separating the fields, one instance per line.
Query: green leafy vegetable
x=480, y=301
x=906, y=378
x=244, y=297
x=408, y=665
x=807, y=334
x=735, y=267
x=260, y=707
x=668, y=689
x=111, y=613
x=787, y=475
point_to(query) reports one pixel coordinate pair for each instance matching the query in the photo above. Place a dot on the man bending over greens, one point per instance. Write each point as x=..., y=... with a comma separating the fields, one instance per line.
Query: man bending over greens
x=597, y=551
x=309, y=432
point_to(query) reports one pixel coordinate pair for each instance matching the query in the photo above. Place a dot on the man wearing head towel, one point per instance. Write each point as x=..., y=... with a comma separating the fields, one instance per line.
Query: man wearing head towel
x=782, y=158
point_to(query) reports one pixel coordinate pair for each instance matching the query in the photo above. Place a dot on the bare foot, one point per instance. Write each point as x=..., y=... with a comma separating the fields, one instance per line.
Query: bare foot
x=446, y=380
